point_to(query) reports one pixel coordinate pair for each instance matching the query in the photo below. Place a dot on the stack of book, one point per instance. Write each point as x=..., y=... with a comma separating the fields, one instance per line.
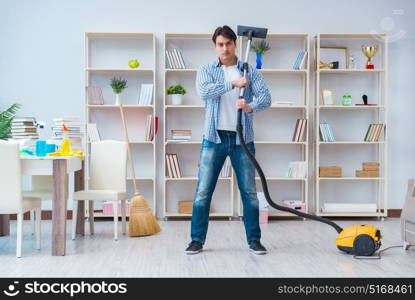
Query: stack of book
x=297, y=169
x=185, y=207
x=146, y=94
x=374, y=132
x=174, y=59
x=74, y=131
x=300, y=130
x=226, y=169
x=300, y=61
x=181, y=135
x=284, y=103
x=24, y=128
x=151, y=127
x=326, y=133
x=172, y=164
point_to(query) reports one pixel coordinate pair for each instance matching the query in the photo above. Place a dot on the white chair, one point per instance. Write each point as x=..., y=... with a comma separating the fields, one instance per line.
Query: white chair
x=108, y=175
x=41, y=187
x=12, y=200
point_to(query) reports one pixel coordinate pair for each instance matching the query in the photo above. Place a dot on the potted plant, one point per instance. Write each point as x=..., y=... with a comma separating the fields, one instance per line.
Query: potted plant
x=118, y=85
x=6, y=118
x=176, y=92
x=259, y=48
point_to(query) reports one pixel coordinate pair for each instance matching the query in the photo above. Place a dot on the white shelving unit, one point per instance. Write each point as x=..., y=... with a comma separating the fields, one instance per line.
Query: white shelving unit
x=197, y=49
x=106, y=56
x=275, y=126
x=350, y=124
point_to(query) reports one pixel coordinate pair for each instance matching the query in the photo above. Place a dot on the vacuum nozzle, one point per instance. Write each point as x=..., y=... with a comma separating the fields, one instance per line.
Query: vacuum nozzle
x=252, y=32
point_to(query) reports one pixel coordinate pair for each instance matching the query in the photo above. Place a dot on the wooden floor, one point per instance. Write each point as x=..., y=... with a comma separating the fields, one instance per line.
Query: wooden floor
x=296, y=249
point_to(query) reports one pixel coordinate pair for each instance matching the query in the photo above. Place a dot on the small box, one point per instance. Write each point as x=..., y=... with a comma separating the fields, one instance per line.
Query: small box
x=185, y=207
x=370, y=166
x=332, y=171
x=263, y=217
x=108, y=209
x=364, y=173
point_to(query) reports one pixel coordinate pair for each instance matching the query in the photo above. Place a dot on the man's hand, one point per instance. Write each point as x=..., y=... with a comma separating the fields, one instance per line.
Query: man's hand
x=241, y=82
x=240, y=104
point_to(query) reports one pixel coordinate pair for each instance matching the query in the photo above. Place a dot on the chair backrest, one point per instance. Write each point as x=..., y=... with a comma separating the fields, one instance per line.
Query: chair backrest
x=408, y=210
x=42, y=183
x=108, y=168
x=10, y=177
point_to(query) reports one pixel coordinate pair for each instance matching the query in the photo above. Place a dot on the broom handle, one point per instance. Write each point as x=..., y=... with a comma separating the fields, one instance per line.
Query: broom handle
x=130, y=157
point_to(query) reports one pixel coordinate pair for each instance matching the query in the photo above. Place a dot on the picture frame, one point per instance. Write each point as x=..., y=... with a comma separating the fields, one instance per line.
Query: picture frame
x=335, y=53
x=327, y=96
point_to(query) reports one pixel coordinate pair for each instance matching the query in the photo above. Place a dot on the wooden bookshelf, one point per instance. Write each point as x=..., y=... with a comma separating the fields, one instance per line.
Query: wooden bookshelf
x=274, y=148
x=107, y=55
x=196, y=49
x=349, y=125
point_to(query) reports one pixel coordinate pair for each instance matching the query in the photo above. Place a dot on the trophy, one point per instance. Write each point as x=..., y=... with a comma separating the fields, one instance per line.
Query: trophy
x=331, y=65
x=369, y=52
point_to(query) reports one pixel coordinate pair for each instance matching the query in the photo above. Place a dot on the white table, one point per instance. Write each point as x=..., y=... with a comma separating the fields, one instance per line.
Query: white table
x=60, y=167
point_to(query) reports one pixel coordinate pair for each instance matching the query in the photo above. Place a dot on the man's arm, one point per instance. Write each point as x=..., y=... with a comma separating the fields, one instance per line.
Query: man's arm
x=207, y=88
x=260, y=90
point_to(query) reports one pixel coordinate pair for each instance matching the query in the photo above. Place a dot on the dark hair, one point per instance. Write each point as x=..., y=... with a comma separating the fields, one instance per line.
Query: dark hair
x=224, y=31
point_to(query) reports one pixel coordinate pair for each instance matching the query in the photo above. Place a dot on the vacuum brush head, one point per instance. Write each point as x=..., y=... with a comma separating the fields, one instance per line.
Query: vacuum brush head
x=255, y=32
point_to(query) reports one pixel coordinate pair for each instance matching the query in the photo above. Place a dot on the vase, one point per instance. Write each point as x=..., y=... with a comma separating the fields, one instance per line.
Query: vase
x=176, y=99
x=117, y=99
x=259, y=61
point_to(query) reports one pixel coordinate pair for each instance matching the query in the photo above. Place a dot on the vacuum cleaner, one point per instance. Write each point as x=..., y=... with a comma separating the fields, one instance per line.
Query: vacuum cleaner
x=359, y=240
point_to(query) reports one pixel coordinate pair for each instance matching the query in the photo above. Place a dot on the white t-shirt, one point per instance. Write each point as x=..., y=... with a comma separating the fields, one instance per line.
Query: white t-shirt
x=227, y=117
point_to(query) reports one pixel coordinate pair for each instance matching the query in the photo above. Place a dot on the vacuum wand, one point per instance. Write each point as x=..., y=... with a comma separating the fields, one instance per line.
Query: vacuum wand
x=251, y=32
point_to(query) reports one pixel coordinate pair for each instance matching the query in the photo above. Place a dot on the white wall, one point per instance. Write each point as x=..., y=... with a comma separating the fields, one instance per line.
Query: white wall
x=42, y=50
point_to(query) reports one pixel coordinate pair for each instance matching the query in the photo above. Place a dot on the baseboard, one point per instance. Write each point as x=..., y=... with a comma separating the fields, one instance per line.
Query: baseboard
x=47, y=214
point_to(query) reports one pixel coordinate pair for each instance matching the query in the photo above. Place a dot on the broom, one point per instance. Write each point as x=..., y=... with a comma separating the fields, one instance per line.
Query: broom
x=142, y=221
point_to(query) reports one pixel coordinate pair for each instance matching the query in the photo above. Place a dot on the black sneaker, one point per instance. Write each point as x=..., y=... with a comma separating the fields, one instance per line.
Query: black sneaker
x=194, y=248
x=257, y=248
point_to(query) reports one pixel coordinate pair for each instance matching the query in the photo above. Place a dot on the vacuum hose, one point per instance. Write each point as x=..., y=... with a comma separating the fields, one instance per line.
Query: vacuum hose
x=265, y=185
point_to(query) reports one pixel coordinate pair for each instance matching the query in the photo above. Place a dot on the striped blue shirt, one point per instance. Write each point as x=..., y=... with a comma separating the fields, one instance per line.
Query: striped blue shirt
x=211, y=86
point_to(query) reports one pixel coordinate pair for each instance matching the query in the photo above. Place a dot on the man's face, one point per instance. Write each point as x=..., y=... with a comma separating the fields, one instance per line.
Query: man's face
x=225, y=47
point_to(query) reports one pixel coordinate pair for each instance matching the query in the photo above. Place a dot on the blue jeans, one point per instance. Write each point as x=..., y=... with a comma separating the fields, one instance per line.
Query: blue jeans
x=212, y=158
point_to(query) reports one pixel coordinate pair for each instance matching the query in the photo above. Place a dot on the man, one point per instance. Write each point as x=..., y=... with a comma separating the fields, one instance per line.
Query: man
x=218, y=85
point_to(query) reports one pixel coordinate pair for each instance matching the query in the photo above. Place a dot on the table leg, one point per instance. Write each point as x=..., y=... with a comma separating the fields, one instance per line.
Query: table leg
x=4, y=225
x=59, y=206
x=79, y=185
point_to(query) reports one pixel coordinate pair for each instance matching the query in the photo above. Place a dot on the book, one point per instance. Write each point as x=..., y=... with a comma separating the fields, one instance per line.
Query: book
x=146, y=94
x=330, y=132
x=175, y=60
x=303, y=60
x=176, y=165
x=173, y=167
x=303, y=131
x=95, y=96
x=297, y=169
x=180, y=57
x=300, y=130
x=93, y=134
x=169, y=63
x=299, y=60
x=24, y=119
x=323, y=133
x=295, y=130
x=169, y=167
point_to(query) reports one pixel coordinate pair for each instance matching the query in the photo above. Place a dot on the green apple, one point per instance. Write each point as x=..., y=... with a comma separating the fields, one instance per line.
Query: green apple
x=133, y=64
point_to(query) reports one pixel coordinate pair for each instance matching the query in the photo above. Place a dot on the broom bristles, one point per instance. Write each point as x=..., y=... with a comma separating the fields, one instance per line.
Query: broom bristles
x=142, y=221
